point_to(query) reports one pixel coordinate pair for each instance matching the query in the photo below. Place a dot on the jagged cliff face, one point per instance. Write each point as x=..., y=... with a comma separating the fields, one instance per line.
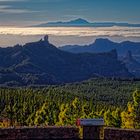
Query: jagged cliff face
x=132, y=65
x=41, y=63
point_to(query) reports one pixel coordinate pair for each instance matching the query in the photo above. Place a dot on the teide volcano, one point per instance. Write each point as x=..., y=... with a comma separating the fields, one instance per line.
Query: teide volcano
x=41, y=63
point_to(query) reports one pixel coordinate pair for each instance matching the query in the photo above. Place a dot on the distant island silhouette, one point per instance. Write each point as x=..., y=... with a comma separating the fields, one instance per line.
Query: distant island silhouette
x=79, y=22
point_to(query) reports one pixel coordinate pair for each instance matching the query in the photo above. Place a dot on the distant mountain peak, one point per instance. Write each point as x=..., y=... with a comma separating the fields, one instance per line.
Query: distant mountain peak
x=71, y=22
x=76, y=22
x=79, y=21
x=102, y=40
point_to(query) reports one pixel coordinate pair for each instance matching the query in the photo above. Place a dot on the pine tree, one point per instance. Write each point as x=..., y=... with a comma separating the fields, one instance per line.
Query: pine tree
x=41, y=116
x=131, y=117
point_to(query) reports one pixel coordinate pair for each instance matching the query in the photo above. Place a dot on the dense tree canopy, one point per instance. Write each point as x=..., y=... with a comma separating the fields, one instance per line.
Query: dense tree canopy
x=62, y=105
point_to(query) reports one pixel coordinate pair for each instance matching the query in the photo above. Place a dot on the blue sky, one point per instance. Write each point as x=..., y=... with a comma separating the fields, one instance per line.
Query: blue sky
x=24, y=12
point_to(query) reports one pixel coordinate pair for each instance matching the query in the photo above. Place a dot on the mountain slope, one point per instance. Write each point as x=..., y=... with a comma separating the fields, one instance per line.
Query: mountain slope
x=84, y=23
x=105, y=45
x=73, y=23
x=41, y=63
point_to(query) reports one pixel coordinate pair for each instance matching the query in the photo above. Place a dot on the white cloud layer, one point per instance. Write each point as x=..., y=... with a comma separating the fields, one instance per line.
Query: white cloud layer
x=72, y=31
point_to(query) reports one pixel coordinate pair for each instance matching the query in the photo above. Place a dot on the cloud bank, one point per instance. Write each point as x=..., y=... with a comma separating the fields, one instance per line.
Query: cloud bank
x=72, y=31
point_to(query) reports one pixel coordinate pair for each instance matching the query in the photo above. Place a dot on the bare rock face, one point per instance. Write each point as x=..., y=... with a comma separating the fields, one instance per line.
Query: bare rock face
x=46, y=38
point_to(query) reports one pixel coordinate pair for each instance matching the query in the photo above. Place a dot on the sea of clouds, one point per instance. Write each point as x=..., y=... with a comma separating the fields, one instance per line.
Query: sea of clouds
x=73, y=31
x=59, y=36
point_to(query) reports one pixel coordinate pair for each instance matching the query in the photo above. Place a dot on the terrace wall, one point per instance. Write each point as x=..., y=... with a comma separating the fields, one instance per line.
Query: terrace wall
x=26, y=133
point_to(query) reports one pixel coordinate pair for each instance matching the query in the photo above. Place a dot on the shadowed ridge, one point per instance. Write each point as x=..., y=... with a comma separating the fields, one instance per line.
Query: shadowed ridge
x=41, y=63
